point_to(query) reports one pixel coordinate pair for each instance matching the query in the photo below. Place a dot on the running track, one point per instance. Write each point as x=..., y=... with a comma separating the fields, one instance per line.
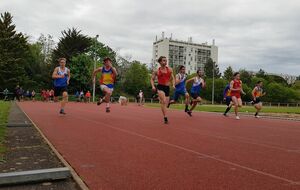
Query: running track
x=131, y=148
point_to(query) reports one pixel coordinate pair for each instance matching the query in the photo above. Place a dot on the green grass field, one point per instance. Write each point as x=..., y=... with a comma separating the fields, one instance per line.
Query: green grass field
x=250, y=109
x=4, y=111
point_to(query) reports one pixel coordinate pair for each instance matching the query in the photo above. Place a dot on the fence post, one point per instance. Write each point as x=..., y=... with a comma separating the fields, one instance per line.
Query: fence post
x=151, y=100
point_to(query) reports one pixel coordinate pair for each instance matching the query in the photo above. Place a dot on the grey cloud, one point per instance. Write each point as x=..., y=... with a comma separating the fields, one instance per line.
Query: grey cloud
x=251, y=34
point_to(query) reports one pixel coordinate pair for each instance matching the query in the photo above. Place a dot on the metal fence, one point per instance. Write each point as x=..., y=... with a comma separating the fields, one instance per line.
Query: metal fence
x=11, y=96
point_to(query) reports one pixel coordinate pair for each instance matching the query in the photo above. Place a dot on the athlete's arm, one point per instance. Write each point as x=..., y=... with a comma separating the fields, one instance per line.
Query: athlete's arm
x=203, y=83
x=114, y=70
x=191, y=79
x=154, y=74
x=177, y=79
x=115, y=74
x=95, y=72
x=225, y=92
x=173, y=78
x=253, y=93
x=55, y=75
x=69, y=76
x=242, y=91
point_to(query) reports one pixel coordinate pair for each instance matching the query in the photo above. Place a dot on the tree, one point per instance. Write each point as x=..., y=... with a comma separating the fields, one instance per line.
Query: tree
x=137, y=78
x=81, y=72
x=261, y=73
x=13, y=51
x=37, y=70
x=219, y=87
x=99, y=51
x=228, y=73
x=71, y=44
x=47, y=46
x=245, y=76
x=277, y=79
x=209, y=67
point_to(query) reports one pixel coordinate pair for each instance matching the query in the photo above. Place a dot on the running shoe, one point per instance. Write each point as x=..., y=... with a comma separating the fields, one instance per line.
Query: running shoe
x=166, y=120
x=107, y=110
x=237, y=118
x=225, y=114
x=62, y=112
x=257, y=116
x=99, y=102
x=168, y=106
x=189, y=113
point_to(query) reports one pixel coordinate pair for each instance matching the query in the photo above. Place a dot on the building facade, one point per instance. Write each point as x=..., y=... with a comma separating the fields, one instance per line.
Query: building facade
x=192, y=55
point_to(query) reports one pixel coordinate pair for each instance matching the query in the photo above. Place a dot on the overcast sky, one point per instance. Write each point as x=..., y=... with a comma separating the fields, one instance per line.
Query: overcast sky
x=251, y=34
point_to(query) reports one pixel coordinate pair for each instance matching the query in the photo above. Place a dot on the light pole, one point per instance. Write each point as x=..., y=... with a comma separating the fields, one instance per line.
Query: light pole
x=94, y=59
x=213, y=85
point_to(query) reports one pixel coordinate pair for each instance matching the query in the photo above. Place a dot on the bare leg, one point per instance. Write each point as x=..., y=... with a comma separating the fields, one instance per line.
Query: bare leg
x=163, y=102
x=64, y=100
x=235, y=103
x=195, y=102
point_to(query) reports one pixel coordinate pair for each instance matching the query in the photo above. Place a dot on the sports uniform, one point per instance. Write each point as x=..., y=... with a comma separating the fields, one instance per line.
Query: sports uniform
x=61, y=84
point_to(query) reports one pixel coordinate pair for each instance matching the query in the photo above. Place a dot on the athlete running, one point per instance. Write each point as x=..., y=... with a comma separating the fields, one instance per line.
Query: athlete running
x=236, y=89
x=107, y=80
x=198, y=84
x=164, y=76
x=180, y=89
x=61, y=76
x=257, y=93
x=227, y=98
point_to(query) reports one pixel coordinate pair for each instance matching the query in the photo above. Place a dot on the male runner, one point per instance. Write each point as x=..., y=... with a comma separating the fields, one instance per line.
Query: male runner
x=180, y=89
x=236, y=89
x=107, y=80
x=198, y=84
x=164, y=76
x=61, y=76
x=257, y=92
x=227, y=98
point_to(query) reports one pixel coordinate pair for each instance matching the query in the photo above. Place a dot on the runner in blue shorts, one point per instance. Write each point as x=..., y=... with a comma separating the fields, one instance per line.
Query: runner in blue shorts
x=227, y=98
x=198, y=85
x=180, y=89
x=61, y=76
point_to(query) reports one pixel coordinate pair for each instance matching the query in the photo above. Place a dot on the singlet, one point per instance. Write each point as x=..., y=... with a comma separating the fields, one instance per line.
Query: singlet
x=181, y=85
x=236, y=85
x=258, y=92
x=107, y=77
x=227, y=91
x=163, y=78
x=197, y=85
x=61, y=82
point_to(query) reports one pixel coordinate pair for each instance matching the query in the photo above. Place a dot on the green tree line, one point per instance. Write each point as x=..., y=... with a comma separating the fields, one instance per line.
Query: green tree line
x=30, y=65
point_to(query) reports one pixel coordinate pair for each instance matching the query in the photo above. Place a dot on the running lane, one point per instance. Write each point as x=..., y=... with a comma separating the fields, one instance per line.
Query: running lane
x=130, y=148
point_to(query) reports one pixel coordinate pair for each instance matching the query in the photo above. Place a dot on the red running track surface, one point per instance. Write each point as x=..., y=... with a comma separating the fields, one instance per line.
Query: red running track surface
x=131, y=148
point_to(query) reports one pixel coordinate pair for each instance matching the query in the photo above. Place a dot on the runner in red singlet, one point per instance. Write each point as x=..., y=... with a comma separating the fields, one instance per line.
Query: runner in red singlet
x=236, y=90
x=164, y=76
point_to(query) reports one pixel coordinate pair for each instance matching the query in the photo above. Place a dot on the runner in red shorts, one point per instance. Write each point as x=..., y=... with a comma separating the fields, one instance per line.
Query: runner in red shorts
x=236, y=90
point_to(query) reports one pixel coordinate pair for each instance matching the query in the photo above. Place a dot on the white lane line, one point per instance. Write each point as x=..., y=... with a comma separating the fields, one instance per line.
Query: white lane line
x=229, y=138
x=195, y=152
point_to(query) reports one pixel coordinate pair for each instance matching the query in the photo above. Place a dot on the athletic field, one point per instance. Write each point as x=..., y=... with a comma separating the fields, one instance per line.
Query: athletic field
x=131, y=148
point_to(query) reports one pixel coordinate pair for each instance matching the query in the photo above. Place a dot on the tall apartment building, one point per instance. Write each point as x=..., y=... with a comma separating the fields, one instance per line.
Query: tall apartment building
x=192, y=55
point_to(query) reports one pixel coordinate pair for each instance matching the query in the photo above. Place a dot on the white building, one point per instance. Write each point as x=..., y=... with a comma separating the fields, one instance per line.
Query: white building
x=192, y=55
